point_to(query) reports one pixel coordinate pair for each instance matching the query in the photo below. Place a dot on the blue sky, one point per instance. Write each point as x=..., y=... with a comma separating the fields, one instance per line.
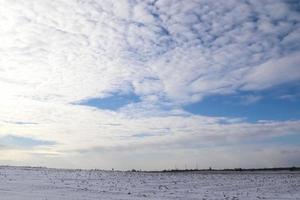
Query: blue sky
x=113, y=102
x=279, y=103
x=157, y=83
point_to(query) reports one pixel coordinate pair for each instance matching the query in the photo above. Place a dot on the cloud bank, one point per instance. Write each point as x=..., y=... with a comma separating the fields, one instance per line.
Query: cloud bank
x=54, y=55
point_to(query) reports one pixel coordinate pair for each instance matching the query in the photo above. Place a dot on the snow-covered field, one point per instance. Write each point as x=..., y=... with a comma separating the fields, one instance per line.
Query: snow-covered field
x=25, y=183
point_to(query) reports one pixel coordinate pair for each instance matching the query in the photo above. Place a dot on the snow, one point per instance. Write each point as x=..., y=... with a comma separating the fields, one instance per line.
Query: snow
x=27, y=183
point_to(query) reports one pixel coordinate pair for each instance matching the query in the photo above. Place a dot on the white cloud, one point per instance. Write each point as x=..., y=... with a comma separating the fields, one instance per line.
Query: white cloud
x=81, y=130
x=274, y=72
x=70, y=51
x=250, y=99
x=169, y=53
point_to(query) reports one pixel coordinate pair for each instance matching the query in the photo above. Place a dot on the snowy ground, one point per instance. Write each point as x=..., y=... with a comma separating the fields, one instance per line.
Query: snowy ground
x=40, y=183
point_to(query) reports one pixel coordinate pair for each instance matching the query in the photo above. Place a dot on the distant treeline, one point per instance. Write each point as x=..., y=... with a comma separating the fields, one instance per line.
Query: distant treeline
x=228, y=170
x=170, y=170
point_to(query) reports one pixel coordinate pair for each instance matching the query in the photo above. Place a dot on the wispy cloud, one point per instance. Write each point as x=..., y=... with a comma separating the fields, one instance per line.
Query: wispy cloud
x=166, y=53
x=13, y=141
x=70, y=51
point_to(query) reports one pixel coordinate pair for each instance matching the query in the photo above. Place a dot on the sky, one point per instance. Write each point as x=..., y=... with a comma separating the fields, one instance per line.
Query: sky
x=150, y=84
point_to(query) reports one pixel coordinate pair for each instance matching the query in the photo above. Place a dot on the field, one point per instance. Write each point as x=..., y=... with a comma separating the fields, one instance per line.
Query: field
x=26, y=183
